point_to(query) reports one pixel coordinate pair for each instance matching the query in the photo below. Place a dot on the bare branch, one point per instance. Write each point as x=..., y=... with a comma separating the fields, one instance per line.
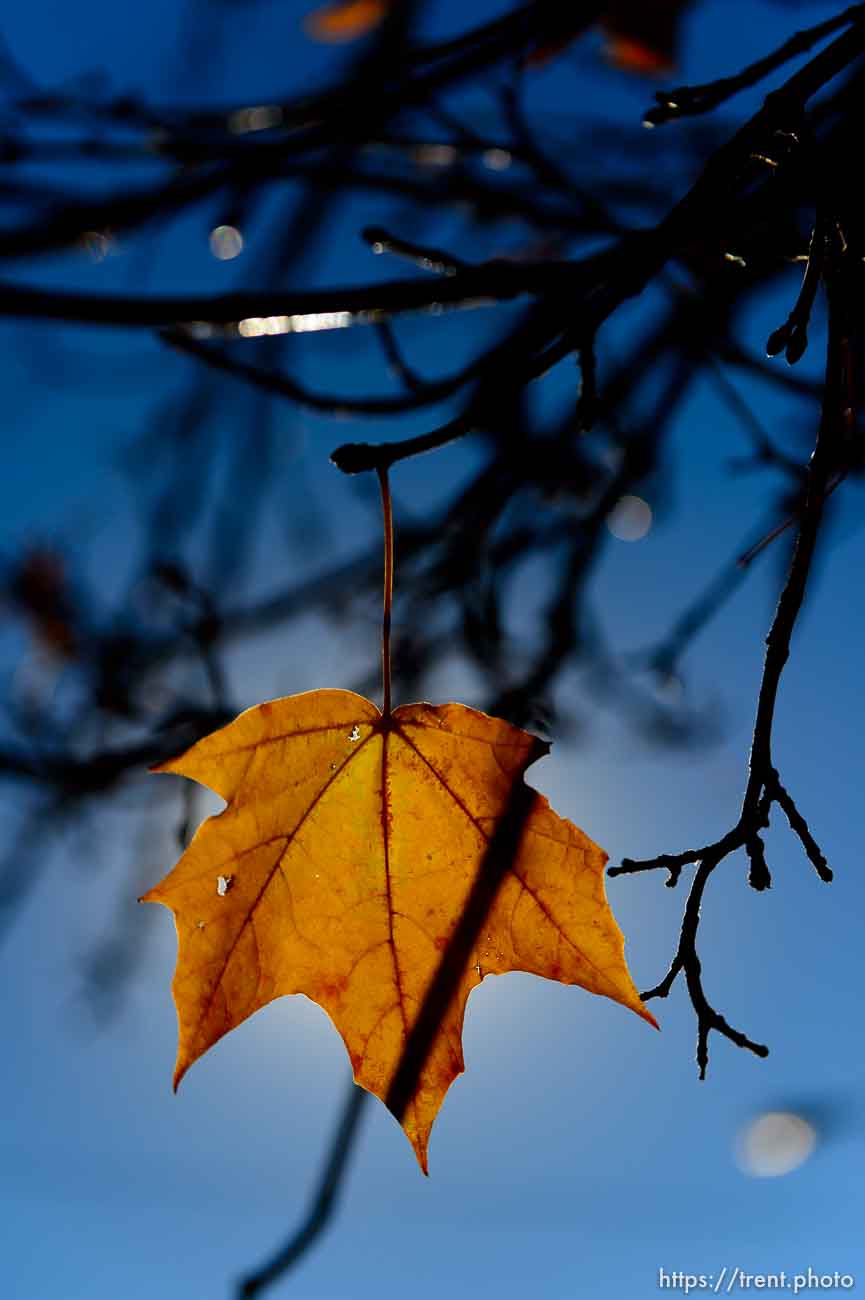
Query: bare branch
x=324, y=1201
x=764, y=787
x=687, y=101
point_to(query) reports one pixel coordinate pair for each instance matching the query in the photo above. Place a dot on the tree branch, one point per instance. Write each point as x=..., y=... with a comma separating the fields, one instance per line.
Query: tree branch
x=763, y=786
x=324, y=1201
x=689, y=101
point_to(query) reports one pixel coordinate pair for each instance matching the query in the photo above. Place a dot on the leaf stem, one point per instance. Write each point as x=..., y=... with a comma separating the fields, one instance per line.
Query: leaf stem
x=387, y=519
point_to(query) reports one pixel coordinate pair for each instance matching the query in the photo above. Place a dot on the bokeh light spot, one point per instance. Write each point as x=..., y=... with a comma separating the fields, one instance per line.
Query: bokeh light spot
x=775, y=1143
x=258, y=117
x=226, y=242
x=630, y=519
x=435, y=155
x=498, y=160
x=97, y=244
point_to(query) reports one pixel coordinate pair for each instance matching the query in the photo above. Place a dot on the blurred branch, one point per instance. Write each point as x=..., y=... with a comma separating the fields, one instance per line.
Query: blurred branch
x=498, y=281
x=324, y=1201
x=500, y=854
x=687, y=101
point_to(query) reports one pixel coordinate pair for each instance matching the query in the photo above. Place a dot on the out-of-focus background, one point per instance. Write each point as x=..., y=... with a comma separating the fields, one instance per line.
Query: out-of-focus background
x=579, y=1154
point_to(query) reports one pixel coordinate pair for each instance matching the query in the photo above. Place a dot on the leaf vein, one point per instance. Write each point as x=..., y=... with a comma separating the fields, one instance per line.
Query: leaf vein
x=277, y=867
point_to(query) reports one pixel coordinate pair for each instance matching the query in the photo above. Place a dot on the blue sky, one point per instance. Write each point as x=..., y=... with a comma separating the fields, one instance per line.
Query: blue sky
x=578, y=1154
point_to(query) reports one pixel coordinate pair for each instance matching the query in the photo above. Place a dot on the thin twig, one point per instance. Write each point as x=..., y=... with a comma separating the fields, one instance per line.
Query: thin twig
x=488, y=283
x=360, y=457
x=282, y=385
x=800, y=827
x=763, y=787
x=426, y=259
x=688, y=101
x=791, y=338
x=395, y=359
x=323, y=1202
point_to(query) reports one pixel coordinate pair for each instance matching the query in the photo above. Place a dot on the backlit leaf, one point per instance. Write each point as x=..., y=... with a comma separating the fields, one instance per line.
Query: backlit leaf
x=342, y=864
x=345, y=20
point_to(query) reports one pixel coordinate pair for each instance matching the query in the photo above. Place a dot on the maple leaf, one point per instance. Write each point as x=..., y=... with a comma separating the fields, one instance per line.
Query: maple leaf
x=341, y=867
x=345, y=20
x=642, y=34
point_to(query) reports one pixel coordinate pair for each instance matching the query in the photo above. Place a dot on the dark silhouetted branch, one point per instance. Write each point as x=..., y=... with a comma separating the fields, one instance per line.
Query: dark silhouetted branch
x=763, y=787
x=324, y=1202
x=687, y=101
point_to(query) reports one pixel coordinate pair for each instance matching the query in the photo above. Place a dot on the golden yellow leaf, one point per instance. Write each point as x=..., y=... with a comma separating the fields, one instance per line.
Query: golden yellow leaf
x=642, y=35
x=342, y=864
x=345, y=20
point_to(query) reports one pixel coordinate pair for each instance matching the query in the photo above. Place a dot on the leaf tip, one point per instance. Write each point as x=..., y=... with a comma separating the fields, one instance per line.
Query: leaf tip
x=422, y=1153
x=649, y=1018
